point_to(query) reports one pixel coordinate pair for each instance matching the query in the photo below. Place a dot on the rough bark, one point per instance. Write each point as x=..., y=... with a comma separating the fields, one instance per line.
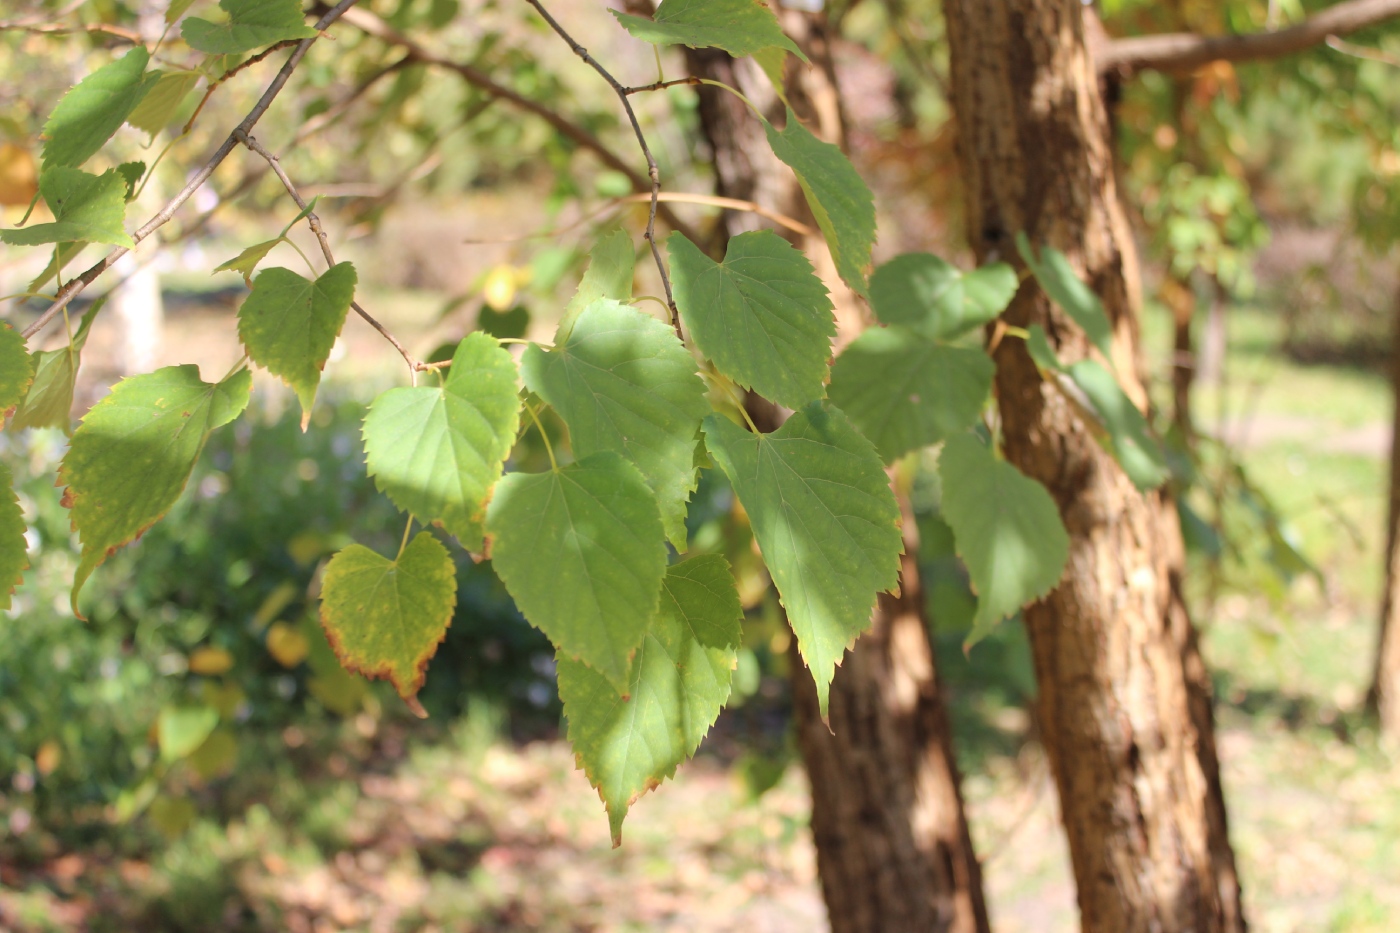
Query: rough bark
x=1385, y=683
x=893, y=850
x=1124, y=706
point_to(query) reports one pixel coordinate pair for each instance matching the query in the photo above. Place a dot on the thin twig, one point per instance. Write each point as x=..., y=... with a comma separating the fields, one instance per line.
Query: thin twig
x=653, y=172
x=214, y=85
x=1361, y=51
x=58, y=29
x=314, y=223
x=375, y=26
x=661, y=85
x=75, y=286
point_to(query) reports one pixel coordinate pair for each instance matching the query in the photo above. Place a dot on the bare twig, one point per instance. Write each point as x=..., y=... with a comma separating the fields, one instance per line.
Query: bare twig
x=653, y=172
x=377, y=27
x=1181, y=52
x=76, y=286
x=661, y=85
x=58, y=29
x=314, y=223
x=214, y=85
x=1361, y=51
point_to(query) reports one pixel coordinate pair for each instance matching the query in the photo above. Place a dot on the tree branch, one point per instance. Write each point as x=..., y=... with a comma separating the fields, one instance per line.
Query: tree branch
x=652, y=170
x=375, y=26
x=75, y=286
x=314, y=223
x=1179, y=52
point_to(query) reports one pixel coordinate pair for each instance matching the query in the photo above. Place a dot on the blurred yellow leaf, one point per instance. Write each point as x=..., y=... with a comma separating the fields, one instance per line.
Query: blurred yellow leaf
x=217, y=756
x=19, y=180
x=48, y=756
x=499, y=288
x=210, y=661
x=287, y=645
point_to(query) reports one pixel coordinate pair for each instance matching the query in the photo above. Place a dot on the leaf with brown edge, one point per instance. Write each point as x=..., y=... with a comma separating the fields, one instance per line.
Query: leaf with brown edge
x=130, y=458
x=385, y=618
x=14, y=559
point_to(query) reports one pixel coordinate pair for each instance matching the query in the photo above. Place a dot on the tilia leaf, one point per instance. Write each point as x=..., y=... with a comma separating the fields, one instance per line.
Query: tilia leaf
x=1064, y=286
x=839, y=199
x=251, y=24
x=628, y=742
x=622, y=381
x=611, y=267
x=14, y=559
x=289, y=324
x=826, y=523
x=16, y=368
x=934, y=297
x=582, y=552
x=762, y=315
x=905, y=390
x=163, y=100
x=1007, y=529
x=49, y=402
x=86, y=207
x=740, y=27
x=1123, y=430
x=87, y=116
x=385, y=618
x=132, y=454
x=437, y=451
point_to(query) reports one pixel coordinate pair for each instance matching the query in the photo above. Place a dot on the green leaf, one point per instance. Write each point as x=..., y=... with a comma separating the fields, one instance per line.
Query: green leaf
x=16, y=368
x=87, y=116
x=436, y=452
x=611, y=267
x=14, y=558
x=624, y=382
x=1054, y=273
x=385, y=618
x=251, y=24
x=1125, y=431
x=182, y=729
x=63, y=254
x=176, y=9
x=582, y=552
x=629, y=742
x=289, y=324
x=772, y=60
x=904, y=390
x=826, y=522
x=246, y=262
x=839, y=199
x=740, y=27
x=922, y=292
x=85, y=207
x=130, y=458
x=762, y=315
x=49, y=403
x=158, y=108
x=1008, y=531
x=131, y=173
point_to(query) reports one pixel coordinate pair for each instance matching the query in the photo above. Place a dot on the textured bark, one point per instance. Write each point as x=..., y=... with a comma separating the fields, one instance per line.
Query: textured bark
x=1385, y=684
x=1124, y=705
x=893, y=850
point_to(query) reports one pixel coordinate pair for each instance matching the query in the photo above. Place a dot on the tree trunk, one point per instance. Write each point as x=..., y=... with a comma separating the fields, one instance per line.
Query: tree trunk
x=1124, y=705
x=1385, y=685
x=893, y=849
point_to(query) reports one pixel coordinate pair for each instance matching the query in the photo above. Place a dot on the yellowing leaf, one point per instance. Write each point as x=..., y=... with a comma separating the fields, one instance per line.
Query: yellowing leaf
x=499, y=288
x=19, y=178
x=288, y=645
x=385, y=618
x=210, y=661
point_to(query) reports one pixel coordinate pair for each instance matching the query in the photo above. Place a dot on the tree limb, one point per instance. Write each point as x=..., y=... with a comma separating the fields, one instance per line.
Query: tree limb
x=1180, y=52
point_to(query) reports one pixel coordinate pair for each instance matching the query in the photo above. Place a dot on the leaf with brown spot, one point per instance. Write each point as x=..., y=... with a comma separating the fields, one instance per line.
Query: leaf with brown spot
x=385, y=618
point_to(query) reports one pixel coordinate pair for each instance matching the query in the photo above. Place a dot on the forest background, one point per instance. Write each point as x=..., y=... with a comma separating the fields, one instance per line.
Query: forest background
x=1263, y=198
